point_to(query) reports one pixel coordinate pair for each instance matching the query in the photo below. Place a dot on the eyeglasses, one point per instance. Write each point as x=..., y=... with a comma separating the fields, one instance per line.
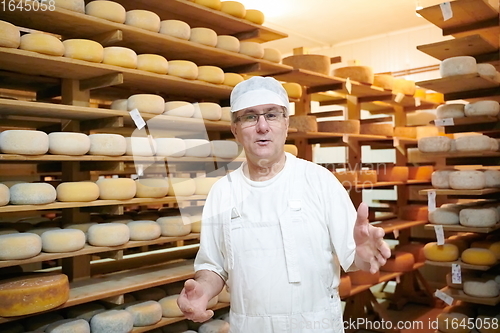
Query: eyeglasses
x=251, y=119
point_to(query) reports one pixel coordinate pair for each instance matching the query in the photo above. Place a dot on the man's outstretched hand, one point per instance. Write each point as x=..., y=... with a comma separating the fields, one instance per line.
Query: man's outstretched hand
x=193, y=302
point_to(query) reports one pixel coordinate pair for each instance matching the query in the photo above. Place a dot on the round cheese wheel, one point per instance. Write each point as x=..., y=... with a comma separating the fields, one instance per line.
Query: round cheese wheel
x=63, y=240
x=473, y=143
x=479, y=256
x=69, y=325
x=107, y=144
x=151, y=187
x=228, y=43
x=446, y=252
x=467, y=180
x=338, y=126
x=434, y=144
x=143, y=230
x=179, y=109
x=116, y=188
x=77, y=191
x=183, y=68
x=120, y=104
x=224, y=148
x=181, y=186
x=32, y=194
x=478, y=287
x=203, y=36
x=208, y=110
x=169, y=306
x=204, y=184
x=152, y=63
x=453, y=110
x=449, y=323
x=42, y=43
x=10, y=35
x=148, y=103
x=362, y=277
x=226, y=113
x=197, y=147
x=254, y=16
x=446, y=215
x=143, y=19
x=74, y=5
x=145, y=313
x=271, y=54
x=458, y=66
x=4, y=195
x=399, y=262
x=120, y=56
x=174, y=226
x=68, y=143
x=214, y=4
x=252, y=49
x=117, y=321
x=24, y=142
x=292, y=149
x=392, y=173
x=140, y=146
x=233, y=8
x=211, y=74
x=487, y=70
x=215, y=325
x=482, y=108
x=491, y=178
x=17, y=246
x=232, y=79
x=36, y=293
x=478, y=217
x=293, y=90
x=171, y=147
x=175, y=28
x=83, y=49
x=108, y=10
x=383, y=81
x=440, y=178
x=490, y=245
x=403, y=86
x=312, y=62
x=356, y=73
x=108, y=234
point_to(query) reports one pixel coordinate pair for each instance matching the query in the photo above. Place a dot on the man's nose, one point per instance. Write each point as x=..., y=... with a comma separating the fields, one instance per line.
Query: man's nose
x=262, y=124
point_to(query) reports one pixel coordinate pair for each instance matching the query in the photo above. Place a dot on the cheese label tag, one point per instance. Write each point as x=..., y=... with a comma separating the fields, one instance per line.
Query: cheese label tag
x=417, y=102
x=446, y=10
x=444, y=122
x=439, y=234
x=456, y=273
x=431, y=200
x=399, y=97
x=444, y=297
x=398, y=279
x=395, y=141
x=348, y=85
x=396, y=233
x=137, y=118
x=140, y=169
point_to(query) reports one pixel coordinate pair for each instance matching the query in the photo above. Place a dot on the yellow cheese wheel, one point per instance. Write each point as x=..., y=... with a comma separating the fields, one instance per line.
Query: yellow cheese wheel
x=181, y=186
x=179, y=109
x=108, y=234
x=169, y=306
x=68, y=143
x=252, y=49
x=233, y=8
x=107, y=144
x=120, y=56
x=208, y=110
x=226, y=113
x=204, y=184
x=175, y=28
x=367, y=176
x=363, y=277
x=493, y=246
x=183, y=68
x=152, y=63
x=357, y=73
x=383, y=81
x=151, y=187
x=405, y=87
x=74, y=5
x=24, y=142
x=228, y=43
x=271, y=54
x=292, y=149
x=4, y=194
x=32, y=194
x=479, y=256
x=294, y=90
x=311, y=62
x=393, y=174
x=42, y=43
x=77, y=191
x=445, y=252
x=143, y=19
x=108, y=10
x=399, y=262
x=420, y=172
x=144, y=230
x=83, y=49
x=9, y=35
x=214, y=4
x=211, y=74
x=254, y=16
x=148, y=103
x=116, y=188
x=36, y=293
x=174, y=226
x=232, y=79
x=63, y=240
x=203, y=36
x=19, y=246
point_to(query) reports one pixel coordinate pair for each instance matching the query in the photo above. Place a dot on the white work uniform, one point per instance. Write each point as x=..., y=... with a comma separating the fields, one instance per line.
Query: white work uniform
x=278, y=245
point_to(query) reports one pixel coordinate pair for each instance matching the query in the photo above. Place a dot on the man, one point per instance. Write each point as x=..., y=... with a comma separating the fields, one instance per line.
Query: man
x=277, y=230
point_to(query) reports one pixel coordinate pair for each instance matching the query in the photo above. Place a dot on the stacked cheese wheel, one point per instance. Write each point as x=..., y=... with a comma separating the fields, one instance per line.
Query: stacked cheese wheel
x=464, y=65
x=459, y=110
x=461, y=143
x=466, y=179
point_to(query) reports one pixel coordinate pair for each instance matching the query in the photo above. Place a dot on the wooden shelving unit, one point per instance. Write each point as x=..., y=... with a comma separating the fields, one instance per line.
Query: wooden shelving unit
x=459, y=295
x=458, y=262
x=461, y=228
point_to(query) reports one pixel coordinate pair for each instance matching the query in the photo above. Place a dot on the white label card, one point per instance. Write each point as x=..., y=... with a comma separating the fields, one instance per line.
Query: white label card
x=348, y=85
x=417, y=102
x=431, y=200
x=137, y=118
x=444, y=122
x=140, y=169
x=446, y=10
x=395, y=142
x=399, y=97
x=439, y=234
x=456, y=273
x=396, y=233
x=444, y=297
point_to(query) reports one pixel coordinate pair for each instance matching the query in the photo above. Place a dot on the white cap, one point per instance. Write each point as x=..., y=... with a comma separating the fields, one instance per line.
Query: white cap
x=258, y=90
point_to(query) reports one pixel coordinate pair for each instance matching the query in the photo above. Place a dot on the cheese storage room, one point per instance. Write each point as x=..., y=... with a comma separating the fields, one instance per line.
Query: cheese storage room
x=140, y=188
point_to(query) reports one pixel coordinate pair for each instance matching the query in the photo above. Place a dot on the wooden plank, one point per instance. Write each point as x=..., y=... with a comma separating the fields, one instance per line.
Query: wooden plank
x=463, y=154
x=397, y=224
x=461, y=192
x=459, y=83
x=307, y=78
x=458, y=262
x=471, y=121
x=461, y=228
x=473, y=45
x=459, y=295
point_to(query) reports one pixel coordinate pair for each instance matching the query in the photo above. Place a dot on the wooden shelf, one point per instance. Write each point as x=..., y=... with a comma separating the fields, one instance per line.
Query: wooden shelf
x=459, y=84
x=32, y=63
x=463, y=154
x=458, y=262
x=397, y=224
x=336, y=138
x=460, y=192
x=471, y=120
x=387, y=184
x=98, y=203
x=459, y=295
x=483, y=124
x=461, y=228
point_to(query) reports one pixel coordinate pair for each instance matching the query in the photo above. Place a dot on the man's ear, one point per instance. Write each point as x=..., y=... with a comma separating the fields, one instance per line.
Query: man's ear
x=233, y=129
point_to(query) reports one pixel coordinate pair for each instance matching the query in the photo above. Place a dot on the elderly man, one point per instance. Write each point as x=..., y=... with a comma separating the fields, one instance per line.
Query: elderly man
x=277, y=230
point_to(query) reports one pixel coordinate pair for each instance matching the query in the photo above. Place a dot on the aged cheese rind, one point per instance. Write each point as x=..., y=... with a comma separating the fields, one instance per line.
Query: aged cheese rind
x=32, y=194
x=68, y=143
x=77, y=191
x=18, y=246
x=10, y=36
x=112, y=321
x=24, y=142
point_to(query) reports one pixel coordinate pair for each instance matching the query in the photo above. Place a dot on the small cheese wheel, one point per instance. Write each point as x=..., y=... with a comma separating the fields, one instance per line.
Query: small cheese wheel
x=479, y=256
x=403, y=86
x=36, y=293
x=292, y=149
x=446, y=252
x=179, y=109
x=228, y=43
x=183, y=68
x=226, y=113
x=83, y=49
x=24, y=142
x=487, y=70
x=140, y=146
x=482, y=108
x=74, y=5
x=393, y=173
x=197, y=147
x=399, y=262
x=440, y=178
x=203, y=36
x=143, y=19
x=467, y=180
x=42, y=43
x=116, y=188
x=77, y=191
x=63, y=240
x=68, y=143
x=84, y=311
x=108, y=234
x=458, y=66
x=421, y=172
x=233, y=8
x=356, y=73
x=143, y=230
x=453, y=110
x=120, y=104
x=491, y=178
x=32, y=194
x=478, y=217
x=152, y=63
x=214, y=4
x=338, y=126
x=145, y=313
x=151, y=187
x=174, y=226
x=216, y=325
x=473, y=143
x=434, y=144
x=224, y=148
x=252, y=49
x=181, y=186
x=449, y=323
x=107, y=144
x=363, y=277
x=204, y=184
x=254, y=16
x=169, y=306
x=383, y=81
x=478, y=287
x=10, y=36
x=175, y=28
x=490, y=245
x=148, y=103
x=293, y=90
x=18, y=246
x=208, y=110
x=108, y=10
x=170, y=147
x=4, y=195
x=211, y=74
x=120, y=56
x=112, y=321
x=271, y=54
x=69, y=325
x=232, y=79
x=446, y=215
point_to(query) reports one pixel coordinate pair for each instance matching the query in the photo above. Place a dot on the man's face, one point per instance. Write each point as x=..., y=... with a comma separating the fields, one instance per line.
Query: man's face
x=265, y=138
